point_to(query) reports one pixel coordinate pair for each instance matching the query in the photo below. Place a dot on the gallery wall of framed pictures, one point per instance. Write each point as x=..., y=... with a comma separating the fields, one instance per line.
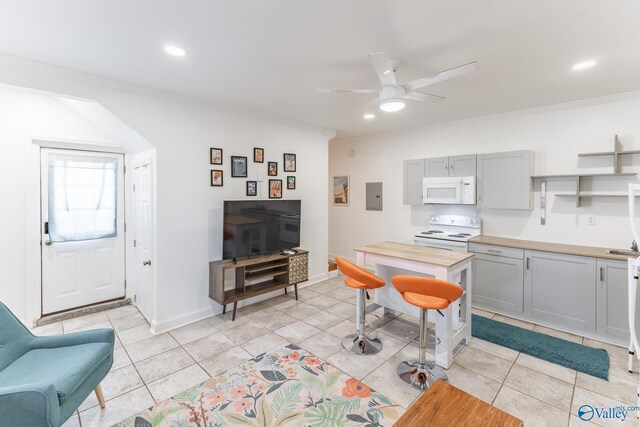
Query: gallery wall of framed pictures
x=239, y=166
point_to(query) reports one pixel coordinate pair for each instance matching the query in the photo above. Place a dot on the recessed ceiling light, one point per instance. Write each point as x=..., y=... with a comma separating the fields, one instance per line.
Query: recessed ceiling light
x=369, y=116
x=175, y=50
x=583, y=65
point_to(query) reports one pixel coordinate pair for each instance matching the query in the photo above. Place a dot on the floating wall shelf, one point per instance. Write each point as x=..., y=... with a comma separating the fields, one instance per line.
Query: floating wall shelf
x=583, y=175
x=616, y=153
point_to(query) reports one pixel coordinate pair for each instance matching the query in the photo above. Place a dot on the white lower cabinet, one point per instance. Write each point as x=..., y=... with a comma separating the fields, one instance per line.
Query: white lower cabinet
x=613, y=306
x=583, y=295
x=560, y=289
x=498, y=279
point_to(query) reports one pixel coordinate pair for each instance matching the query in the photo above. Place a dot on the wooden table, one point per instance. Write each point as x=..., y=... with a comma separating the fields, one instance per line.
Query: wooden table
x=391, y=258
x=446, y=405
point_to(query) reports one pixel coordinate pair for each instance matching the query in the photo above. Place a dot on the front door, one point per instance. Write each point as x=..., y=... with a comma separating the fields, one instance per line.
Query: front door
x=83, y=241
x=143, y=239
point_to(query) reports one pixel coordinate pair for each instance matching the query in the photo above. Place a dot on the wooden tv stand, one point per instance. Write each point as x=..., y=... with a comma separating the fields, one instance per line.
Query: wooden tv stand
x=256, y=276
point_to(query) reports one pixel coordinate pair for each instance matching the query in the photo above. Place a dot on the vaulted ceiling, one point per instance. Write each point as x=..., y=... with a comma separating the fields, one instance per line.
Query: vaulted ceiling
x=269, y=56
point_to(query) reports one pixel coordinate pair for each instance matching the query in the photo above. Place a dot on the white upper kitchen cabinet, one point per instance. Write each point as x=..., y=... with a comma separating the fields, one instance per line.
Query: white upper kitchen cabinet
x=436, y=166
x=413, y=172
x=464, y=165
x=504, y=180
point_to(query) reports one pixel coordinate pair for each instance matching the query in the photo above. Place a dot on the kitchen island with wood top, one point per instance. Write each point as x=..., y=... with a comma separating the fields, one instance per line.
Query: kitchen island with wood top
x=391, y=258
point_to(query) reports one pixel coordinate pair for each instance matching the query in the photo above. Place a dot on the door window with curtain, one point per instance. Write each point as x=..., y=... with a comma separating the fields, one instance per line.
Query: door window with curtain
x=82, y=197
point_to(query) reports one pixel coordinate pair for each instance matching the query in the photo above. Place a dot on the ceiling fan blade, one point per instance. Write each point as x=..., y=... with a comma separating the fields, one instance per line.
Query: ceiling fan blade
x=442, y=76
x=347, y=90
x=375, y=101
x=418, y=96
x=384, y=69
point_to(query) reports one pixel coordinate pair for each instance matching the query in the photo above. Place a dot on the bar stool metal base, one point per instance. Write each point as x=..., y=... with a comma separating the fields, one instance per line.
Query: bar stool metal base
x=420, y=377
x=361, y=344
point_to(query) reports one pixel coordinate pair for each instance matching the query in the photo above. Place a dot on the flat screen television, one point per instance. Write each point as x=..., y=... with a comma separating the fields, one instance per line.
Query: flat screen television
x=260, y=227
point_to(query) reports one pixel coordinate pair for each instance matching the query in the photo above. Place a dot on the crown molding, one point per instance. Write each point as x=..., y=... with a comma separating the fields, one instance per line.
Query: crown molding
x=623, y=96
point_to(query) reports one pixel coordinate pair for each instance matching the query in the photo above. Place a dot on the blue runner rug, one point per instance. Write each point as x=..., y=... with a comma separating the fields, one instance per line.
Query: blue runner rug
x=589, y=360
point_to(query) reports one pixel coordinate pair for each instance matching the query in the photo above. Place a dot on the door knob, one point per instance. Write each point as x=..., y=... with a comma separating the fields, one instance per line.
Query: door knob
x=147, y=262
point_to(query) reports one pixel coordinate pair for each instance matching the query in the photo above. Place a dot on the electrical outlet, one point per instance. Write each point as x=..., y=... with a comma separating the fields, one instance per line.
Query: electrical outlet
x=590, y=220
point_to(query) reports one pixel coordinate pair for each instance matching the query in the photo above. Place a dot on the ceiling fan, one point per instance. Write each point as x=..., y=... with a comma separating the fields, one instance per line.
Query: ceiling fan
x=392, y=96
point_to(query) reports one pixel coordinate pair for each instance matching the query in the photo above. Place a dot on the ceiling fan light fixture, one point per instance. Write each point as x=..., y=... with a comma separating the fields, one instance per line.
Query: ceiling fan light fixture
x=392, y=98
x=392, y=105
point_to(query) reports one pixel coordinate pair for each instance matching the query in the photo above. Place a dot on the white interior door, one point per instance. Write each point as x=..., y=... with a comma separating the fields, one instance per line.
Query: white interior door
x=143, y=240
x=83, y=251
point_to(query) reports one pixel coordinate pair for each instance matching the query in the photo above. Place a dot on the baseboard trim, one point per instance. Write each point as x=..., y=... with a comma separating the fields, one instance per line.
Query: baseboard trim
x=182, y=320
x=215, y=308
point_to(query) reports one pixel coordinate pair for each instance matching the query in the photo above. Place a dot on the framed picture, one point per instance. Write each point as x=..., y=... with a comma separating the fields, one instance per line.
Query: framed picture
x=275, y=189
x=272, y=168
x=258, y=155
x=216, y=178
x=341, y=190
x=291, y=183
x=238, y=167
x=252, y=188
x=289, y=162
x=215, y=155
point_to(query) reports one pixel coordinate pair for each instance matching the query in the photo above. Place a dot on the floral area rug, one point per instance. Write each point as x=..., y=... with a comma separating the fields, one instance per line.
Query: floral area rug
x=288, y=387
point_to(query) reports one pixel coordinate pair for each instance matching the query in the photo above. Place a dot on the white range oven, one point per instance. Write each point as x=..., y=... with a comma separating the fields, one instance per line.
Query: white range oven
x=450, y=232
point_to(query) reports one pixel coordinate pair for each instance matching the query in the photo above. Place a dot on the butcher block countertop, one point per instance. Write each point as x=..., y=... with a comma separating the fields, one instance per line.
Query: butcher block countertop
x=588, y=251
x=416, y=253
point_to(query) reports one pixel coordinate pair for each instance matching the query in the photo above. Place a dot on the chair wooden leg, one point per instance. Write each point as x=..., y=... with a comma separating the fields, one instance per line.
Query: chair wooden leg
x=100, y=396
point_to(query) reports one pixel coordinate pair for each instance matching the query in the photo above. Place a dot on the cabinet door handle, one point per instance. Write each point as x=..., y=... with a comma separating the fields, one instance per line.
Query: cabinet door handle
x=602, y=274
x=528, y=262
x=495, y=251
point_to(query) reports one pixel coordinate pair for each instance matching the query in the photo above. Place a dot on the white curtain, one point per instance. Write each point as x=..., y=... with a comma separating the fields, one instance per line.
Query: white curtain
x=82, y=197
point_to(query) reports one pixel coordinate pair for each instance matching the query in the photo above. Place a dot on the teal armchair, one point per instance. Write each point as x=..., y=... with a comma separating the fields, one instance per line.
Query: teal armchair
x=43, y=380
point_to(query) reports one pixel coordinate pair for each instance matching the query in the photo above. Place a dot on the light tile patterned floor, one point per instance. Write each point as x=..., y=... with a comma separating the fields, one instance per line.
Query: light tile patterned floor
x=149, y=368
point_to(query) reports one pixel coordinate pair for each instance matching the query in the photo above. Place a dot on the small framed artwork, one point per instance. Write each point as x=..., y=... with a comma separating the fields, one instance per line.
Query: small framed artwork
x=252, y=188
x=341, y=190
x=291, y=183
x=275, y=189
x=289, y=162
x=216, y=178
x=238, y=167
x=272, y=168
x=258, y=155
x=215, y=155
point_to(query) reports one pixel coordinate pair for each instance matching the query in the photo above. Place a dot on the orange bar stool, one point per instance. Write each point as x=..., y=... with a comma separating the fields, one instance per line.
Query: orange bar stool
x=362, y=281
x=427, y=294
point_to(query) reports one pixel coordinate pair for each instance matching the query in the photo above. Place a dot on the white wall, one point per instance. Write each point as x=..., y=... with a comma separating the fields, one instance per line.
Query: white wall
x=27, y=116
x=556, y=135
x=188, y=209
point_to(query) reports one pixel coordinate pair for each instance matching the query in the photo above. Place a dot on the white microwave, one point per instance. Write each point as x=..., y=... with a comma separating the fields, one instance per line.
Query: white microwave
x=452, y=190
